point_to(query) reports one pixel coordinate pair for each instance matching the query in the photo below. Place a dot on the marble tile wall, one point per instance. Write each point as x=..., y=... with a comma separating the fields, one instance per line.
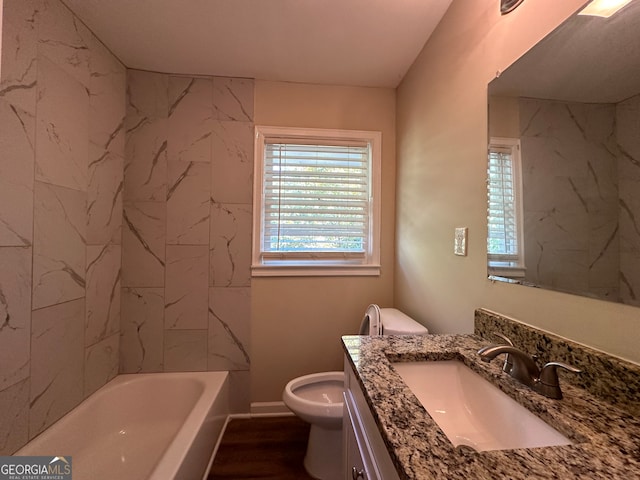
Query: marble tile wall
x=571, y=200
x=186, y=242
x=628, y=138
x=62, y=109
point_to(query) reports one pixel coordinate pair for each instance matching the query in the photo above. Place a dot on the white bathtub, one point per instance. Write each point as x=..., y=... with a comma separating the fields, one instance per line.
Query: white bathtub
x=156, y=426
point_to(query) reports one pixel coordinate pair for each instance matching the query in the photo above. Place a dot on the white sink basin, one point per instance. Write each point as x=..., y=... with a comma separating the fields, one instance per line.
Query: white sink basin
x=473, y=412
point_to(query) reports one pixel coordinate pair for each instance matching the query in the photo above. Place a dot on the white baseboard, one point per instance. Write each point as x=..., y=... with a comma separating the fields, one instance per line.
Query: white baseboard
x=269, y=409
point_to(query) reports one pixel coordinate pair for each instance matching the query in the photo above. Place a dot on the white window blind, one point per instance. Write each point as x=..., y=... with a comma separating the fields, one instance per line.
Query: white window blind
x=316, y=202
x=316, y=198
x=504, y=223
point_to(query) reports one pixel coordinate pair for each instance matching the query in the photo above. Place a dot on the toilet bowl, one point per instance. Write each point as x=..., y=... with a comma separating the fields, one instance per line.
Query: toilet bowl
x=317, y=398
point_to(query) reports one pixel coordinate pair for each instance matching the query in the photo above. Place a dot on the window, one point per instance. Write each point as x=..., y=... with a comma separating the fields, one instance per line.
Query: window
x=316, y=202
x=504, y=186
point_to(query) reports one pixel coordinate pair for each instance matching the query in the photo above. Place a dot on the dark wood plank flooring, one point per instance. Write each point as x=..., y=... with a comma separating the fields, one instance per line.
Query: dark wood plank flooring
x=262, y=448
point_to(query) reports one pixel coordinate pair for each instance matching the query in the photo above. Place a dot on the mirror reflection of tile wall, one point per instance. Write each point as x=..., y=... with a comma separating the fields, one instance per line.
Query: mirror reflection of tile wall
x=581, y=171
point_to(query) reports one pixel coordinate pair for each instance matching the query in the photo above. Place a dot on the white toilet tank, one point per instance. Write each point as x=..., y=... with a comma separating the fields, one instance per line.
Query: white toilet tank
x=389, y=321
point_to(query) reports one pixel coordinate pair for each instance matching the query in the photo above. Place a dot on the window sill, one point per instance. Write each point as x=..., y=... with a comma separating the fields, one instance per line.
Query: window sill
x=339, y=270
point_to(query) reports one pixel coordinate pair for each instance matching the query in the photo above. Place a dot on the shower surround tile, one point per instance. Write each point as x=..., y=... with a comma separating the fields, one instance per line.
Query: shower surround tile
x=141, y=340
x=19, y=47
x=107, y=91
x=186, y=287
x=16, y=175
x=147, y=95
x=103, y=292
x=62, y=110
x=146, y=160
x=143, y=244
x=229, y=328
x=59, y=245
x=63, y=39
x=15, y=314
x=185, y=350
x=101, y=363
x=62, y=128
x=189, y=145
x=190, y=119
x=230, y=245
x=233, y=99
x=104, y=197
x=17, y=118
x=232, y=165
x=14, y=429
x=57, y=359
x=188, y=204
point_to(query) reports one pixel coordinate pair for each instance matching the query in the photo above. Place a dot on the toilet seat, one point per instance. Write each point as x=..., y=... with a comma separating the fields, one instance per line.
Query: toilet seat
x=371, y=324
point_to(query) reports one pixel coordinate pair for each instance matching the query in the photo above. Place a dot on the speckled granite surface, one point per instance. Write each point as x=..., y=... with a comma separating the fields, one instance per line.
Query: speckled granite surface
x=606, y=438
x=607, y=377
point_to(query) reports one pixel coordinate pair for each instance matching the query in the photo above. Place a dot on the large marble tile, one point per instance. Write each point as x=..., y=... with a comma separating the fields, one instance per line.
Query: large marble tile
x=230, y=244
x=58, y=245
x=18, y=55
x=143, y=244
x=147, y=94
x=104, y=197
x=145, y=176
x=16, y=175
x=62, y=128
x=62, y=38
x=14, y=419
x=101, y=363
x=103, y=292
x=141, y=336
x=57, y=359
x=229, y=328
x=15, y=314
x=186, y=287
x=233, y=99
x=185, y=350
x=108, y=105
x=190, y=119
x=232, y=167
x=188, y=203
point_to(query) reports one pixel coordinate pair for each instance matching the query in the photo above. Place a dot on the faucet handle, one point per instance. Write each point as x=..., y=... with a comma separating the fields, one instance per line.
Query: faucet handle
x=548, y=381
x=507, y=366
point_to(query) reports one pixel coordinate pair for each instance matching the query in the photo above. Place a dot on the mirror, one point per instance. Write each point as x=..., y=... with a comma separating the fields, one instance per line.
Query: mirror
x=571, y=109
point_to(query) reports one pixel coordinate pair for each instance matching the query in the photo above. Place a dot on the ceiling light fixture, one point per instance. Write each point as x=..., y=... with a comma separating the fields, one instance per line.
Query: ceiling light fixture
x=603, y=8
x=508, y=5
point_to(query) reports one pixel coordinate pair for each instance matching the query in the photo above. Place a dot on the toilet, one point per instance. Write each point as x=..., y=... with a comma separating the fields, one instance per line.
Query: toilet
x=317, y=398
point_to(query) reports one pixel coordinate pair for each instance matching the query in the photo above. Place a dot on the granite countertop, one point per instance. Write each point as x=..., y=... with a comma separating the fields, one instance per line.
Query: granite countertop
x=606, y=438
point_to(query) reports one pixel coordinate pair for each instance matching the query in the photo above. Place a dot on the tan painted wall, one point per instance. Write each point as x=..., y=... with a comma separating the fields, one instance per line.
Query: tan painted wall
x=297, y=322
x=442, y=133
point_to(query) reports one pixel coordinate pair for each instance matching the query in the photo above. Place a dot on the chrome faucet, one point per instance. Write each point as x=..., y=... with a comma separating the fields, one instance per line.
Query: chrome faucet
x=525, y=370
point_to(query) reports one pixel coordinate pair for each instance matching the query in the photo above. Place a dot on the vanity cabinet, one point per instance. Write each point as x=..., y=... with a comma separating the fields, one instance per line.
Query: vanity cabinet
x=365, y=455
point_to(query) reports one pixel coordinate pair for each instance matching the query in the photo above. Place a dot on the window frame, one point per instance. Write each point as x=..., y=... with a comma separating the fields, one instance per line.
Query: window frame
x=501, y=265
x=309, y=264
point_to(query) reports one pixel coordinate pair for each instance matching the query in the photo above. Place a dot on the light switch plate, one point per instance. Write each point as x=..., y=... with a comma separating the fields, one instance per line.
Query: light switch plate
x=460, y=241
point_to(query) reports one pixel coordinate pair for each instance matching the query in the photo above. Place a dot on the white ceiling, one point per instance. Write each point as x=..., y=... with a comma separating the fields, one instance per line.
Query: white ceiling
x=340, y=42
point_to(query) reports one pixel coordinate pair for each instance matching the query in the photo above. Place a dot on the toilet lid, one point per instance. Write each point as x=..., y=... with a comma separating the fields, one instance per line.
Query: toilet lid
x=371, y=322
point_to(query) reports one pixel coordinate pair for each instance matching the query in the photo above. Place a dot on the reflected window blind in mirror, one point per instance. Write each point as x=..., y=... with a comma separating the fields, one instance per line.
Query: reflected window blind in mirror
x=504, y=212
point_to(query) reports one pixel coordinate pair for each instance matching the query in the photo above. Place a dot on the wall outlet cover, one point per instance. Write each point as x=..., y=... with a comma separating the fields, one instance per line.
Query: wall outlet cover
x=460, y=241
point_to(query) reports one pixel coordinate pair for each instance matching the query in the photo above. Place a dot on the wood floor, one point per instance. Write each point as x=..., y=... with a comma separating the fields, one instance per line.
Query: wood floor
x=262, y=448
